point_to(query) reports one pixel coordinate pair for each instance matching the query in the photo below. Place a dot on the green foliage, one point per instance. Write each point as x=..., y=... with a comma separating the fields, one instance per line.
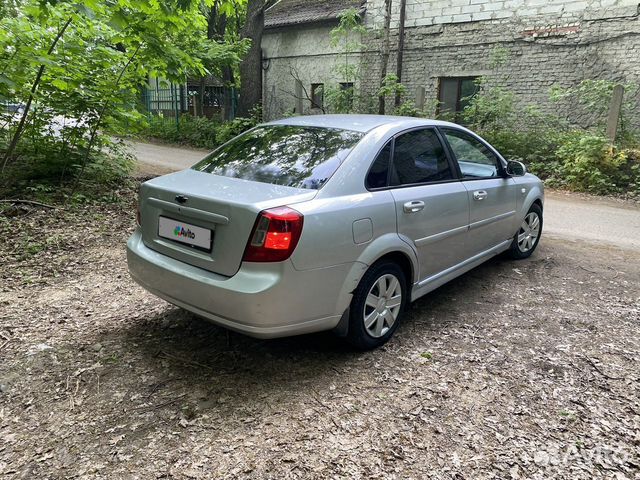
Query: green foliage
x=582, y=160
x=391, y=87
x=199, y=132
x=47, y=165
x=518, y=133
x=235, y=127
x=591, y=164
x=339, y=99
x=348, y=36
x=76, y=68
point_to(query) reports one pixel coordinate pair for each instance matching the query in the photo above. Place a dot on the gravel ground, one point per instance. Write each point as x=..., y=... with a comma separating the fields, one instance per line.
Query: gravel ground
x=515, y=370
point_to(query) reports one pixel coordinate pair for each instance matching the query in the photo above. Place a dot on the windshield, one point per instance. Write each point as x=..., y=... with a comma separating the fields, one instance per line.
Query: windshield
x=295, y=156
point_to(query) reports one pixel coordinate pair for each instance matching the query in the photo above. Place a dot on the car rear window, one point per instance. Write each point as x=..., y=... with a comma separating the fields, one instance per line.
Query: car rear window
x=291, y=155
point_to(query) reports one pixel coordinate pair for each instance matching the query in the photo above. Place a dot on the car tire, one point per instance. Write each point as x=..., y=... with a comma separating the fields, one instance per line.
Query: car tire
x=377, y=306
x=528, y=235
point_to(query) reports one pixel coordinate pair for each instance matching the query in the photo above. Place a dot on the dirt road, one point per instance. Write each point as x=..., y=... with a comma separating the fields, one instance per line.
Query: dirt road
x=592, y=219
x=158, y=159
x=515, y=370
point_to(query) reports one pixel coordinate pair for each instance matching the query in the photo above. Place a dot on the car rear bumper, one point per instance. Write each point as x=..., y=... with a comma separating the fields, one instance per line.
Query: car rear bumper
x=264, y=300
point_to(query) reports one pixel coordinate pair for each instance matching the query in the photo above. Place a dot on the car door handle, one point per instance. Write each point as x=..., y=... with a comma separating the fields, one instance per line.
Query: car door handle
x=413, y=207
x=479, y=195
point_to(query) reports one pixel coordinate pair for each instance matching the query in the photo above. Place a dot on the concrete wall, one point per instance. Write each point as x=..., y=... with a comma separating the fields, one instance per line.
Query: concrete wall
x=298, y=53
x=542, y=43
x=421, y=13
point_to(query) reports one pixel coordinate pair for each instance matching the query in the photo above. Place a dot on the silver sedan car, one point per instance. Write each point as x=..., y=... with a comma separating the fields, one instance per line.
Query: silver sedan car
x=330, y=222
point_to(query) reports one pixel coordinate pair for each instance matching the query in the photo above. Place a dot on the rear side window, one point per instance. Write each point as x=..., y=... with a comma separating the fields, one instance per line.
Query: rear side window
x=290, y=155
x=419, y=157
x=379, y=172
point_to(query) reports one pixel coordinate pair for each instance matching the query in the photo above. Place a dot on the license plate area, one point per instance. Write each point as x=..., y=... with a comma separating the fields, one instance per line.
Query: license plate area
x=186, y=234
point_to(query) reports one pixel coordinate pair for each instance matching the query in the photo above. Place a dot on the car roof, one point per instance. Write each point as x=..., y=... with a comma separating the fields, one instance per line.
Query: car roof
x=359, y=123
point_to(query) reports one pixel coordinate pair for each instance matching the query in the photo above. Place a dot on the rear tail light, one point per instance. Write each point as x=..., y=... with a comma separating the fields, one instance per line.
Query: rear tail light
x=274, y=236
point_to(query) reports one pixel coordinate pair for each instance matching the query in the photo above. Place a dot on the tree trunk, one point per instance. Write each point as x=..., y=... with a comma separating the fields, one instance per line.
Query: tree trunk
x=216, y=28
x=385, y=52
x=403, y=8
x=228, y=81
x=200, y=101
x=251, y=66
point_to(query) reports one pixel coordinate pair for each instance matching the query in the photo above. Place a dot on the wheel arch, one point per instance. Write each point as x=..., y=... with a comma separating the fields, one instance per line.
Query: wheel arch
x=393, y=247
x=535, y=195
x=389, y=246
x=396, y=251
x=403, y=261
x=538, y=201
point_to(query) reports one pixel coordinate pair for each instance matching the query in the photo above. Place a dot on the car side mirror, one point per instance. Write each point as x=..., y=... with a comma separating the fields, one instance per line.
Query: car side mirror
x=516, y=169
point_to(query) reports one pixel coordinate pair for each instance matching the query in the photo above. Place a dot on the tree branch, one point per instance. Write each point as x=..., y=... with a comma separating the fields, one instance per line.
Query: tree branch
x=29, y=202
x=34, y=88
x=94, y=130
x=296, y=76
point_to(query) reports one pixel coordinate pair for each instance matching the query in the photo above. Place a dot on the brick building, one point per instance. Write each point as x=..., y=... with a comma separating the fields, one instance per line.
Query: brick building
x=527, y=46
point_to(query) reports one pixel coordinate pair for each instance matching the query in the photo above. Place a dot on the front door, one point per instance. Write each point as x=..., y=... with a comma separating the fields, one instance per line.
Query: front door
x=492, y=194
x=432, y=206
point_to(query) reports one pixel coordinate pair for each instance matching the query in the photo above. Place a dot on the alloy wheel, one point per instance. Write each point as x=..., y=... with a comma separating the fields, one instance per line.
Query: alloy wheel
x=529, y=232
x=382, y=305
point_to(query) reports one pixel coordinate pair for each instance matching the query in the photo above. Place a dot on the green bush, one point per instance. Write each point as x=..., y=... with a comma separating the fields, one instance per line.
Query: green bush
x=591, y=98
x=581, y=160
x=591, y=164
x=46, y=166
x=525, y=134
x=198, y=132
x=228, y=130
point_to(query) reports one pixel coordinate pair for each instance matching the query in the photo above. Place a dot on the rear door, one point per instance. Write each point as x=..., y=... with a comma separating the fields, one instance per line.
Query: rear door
x=492, y=194
x=432, y=209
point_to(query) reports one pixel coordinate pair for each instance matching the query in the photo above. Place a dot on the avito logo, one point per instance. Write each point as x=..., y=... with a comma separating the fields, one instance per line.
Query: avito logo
x=181, y=232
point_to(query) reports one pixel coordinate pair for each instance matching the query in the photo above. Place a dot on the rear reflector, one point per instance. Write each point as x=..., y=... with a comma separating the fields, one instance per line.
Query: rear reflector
x=274, y=236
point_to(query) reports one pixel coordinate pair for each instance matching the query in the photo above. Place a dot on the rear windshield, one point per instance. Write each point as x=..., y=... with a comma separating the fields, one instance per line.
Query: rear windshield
x=291, y=155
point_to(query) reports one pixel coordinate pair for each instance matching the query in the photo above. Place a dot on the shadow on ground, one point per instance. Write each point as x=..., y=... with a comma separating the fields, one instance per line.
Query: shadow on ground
x=176, y=349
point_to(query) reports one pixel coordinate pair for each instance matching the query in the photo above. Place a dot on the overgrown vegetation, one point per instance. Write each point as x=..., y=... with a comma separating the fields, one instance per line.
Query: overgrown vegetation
x=199, y=132
x=347, y=36
x=70, y=76
x=578, y=159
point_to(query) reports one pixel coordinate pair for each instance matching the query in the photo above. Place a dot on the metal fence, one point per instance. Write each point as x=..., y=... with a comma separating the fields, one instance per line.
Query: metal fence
x=169, y=102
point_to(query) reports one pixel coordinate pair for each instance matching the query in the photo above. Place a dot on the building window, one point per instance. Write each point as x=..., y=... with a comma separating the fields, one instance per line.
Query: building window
x=454, y=94
x=317, y=95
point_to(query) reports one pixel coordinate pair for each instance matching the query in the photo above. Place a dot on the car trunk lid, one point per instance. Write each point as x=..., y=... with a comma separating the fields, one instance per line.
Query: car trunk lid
x=179, y=210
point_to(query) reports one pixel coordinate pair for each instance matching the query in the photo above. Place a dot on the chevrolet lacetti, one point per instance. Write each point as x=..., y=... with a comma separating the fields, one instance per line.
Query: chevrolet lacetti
x=330, y=222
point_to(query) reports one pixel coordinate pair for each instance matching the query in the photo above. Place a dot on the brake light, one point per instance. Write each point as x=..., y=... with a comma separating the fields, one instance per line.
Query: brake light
x=274, y=236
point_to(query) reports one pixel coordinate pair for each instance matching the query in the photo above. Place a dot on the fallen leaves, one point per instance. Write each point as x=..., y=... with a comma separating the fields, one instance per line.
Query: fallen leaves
x=526, y=371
